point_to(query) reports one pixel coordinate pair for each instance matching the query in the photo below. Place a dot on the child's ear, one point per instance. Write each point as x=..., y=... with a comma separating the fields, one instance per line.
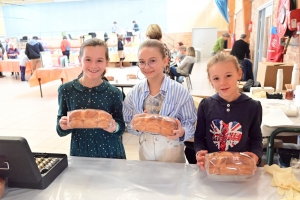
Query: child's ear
x=166, y=61
x=240, y=74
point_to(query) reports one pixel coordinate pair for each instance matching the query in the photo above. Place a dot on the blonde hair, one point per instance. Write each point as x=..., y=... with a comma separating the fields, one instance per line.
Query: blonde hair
x=93, y=42
x=191, y=52
x=154, y=44
x=221, y=57
x=183, y=48
x=154, y=32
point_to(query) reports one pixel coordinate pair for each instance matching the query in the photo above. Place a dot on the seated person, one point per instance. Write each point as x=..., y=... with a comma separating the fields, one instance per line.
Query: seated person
x=180, y=56
x=175, y=52
x=184, y=66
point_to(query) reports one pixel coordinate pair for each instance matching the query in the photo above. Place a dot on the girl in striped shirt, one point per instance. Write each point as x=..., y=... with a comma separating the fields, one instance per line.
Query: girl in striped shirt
x=158, y=94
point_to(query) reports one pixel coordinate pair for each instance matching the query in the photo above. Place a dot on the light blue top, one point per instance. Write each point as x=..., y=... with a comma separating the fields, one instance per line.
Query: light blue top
x=178, y=103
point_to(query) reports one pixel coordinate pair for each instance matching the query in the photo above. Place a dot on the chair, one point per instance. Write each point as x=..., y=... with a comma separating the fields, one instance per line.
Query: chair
x=188, y=78
x=70, y=37
x=93, y=35
x=246, y=66
x=24, y=39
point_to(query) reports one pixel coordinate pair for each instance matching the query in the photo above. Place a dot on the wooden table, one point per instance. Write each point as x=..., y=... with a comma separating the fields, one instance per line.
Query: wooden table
x=45, y=75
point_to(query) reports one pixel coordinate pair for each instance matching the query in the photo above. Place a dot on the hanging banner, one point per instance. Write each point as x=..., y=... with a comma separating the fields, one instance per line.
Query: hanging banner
x=275, y=50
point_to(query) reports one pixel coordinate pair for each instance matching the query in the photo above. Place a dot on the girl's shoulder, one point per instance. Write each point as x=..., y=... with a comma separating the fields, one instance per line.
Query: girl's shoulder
x=67, y=85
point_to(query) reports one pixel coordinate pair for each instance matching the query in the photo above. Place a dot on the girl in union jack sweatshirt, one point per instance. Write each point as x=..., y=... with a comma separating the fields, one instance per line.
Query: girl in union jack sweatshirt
x=228, y=120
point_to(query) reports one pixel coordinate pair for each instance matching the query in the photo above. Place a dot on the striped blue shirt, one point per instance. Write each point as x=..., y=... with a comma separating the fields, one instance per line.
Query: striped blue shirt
x=178, y=103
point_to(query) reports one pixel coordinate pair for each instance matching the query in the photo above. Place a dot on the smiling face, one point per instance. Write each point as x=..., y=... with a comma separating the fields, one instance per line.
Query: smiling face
x=224, y=76
x=152, y=56
x=93, y=62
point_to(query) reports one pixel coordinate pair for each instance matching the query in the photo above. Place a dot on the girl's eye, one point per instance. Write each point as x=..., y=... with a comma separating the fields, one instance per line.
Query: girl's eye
x=215, y=79
x=99, y=60
x=229, y=75
x=87, y=59
x=152, y=61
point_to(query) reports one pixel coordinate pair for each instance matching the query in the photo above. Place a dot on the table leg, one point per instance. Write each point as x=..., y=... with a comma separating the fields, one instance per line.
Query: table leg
x=40, y=87
x=270, y=145
x=62, y=80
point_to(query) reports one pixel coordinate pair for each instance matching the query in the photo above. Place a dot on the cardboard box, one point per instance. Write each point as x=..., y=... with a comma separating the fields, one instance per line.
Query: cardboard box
x=267, y=73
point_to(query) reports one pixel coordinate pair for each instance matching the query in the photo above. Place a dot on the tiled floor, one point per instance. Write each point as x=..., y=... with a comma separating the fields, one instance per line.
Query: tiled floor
x=24, y=113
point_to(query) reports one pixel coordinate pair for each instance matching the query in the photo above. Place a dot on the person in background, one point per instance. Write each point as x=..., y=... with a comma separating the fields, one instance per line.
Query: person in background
x=12, y=53
x=135, y=26
x=240, y=49
x=228, y=120
x=175, y=52
x=181, y=54
x=158, y=94
x=33, y=50
x=65, y=47
x=136, y=30
x=121, y=50
x=184, y=66
x=114, y=28
x=154, y=32
x=219, y=45
x=92, y=92
x=24, y=59
x=2, y=57
x=6, y=44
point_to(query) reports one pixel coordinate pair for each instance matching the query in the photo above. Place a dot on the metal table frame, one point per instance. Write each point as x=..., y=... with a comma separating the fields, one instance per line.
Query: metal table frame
x=270, y=146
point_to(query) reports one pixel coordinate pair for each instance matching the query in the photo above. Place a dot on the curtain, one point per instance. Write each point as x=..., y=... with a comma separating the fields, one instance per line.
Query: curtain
x=223, y=7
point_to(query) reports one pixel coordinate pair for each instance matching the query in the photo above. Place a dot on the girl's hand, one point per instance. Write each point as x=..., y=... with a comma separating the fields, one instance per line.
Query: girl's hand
x=253, y=156
x=200, y=157
x=63, y=123
x=112, y=127
x=177, y=133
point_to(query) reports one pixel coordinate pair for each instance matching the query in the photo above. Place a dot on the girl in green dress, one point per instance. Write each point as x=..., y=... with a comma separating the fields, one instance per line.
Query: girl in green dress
x=91, y=92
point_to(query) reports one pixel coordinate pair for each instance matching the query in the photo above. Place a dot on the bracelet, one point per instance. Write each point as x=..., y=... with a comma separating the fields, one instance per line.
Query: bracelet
x=117, y=128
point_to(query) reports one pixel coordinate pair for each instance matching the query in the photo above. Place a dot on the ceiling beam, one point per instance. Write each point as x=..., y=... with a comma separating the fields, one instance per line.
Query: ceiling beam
x=247, y=7
x=231, y=26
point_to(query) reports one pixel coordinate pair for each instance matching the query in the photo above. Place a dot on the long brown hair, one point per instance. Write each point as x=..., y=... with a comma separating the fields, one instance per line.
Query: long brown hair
x=93, y=42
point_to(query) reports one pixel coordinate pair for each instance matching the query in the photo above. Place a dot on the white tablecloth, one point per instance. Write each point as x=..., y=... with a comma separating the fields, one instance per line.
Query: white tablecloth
x=95, y=178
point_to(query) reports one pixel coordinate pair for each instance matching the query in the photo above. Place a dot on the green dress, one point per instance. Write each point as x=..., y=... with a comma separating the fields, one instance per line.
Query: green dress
x=92, y=142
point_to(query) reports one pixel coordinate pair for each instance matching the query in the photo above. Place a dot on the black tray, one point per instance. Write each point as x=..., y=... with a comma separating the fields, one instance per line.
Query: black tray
x=23, y=171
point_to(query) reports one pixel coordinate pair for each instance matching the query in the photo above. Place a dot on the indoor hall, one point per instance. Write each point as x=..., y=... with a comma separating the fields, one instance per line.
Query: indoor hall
x=199, y=29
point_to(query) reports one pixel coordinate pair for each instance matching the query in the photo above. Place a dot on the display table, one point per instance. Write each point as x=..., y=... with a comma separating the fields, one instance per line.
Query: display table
x=12, y=65
x=100, y=178
x=45, y=75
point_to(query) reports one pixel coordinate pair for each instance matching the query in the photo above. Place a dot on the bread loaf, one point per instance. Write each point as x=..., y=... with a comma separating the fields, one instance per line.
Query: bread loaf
x=131, y=76
x=154, y=123
x=89, y=118
x=229, y=163
x=110, y=78
x=2, y=187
